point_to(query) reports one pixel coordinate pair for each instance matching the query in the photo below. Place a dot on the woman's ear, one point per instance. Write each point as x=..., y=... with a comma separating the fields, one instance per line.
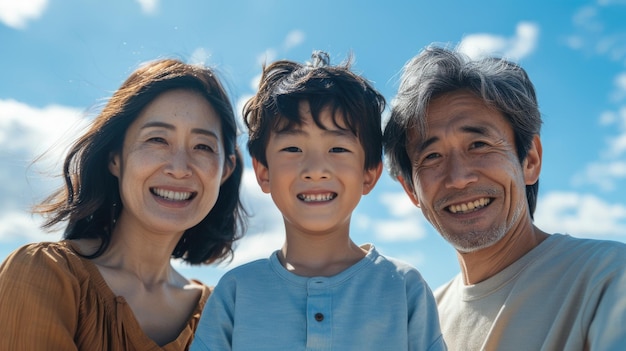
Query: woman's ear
x=229, y=167
x=262, y=175
x=114, y=164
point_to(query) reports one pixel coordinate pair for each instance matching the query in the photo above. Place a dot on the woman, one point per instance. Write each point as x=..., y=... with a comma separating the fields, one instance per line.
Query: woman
x=155, y=177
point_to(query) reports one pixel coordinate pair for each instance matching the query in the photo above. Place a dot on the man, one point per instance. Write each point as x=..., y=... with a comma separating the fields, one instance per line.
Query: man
x=463, y=140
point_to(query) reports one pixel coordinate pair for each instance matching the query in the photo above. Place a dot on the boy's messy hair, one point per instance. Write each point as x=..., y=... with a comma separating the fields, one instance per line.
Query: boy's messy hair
x=354, y=103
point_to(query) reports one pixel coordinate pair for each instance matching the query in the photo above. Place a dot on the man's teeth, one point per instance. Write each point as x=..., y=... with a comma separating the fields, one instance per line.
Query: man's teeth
x=316, y=197
x=470, y=206
x=172, y=195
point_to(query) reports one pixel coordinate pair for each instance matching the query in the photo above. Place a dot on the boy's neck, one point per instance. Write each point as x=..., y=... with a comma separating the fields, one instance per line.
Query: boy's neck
x=320, y=257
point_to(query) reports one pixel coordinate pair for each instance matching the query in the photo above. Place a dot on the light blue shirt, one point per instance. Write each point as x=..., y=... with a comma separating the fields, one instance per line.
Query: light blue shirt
x=377, y=304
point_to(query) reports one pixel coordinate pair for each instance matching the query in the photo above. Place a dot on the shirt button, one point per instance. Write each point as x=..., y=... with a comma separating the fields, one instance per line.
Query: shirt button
x=319, y=317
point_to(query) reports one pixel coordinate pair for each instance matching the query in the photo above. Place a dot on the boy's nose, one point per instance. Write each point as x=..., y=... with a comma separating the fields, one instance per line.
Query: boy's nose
x=315, y=168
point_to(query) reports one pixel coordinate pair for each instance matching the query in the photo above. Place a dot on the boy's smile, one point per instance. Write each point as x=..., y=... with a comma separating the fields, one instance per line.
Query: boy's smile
x=317, y=197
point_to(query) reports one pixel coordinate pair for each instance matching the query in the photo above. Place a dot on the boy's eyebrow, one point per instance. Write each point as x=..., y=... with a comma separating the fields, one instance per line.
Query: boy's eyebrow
x=332, y=132
x=157, y=124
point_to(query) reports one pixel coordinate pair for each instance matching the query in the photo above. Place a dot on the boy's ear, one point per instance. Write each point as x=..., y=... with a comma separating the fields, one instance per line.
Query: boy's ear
x=262, y=175
x=532, y=163
x=409, y=191
x=370, y=178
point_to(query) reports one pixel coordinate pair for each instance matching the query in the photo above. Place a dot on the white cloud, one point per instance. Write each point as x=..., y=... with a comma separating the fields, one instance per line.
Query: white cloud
x=580, y=215
x=515, y=48
x=406, y=223
x=592, y=35
x=616, y=145
x=611, y=2
x=587, y=18
x=265, y=231
x=16, y=224
x=35, y=130
x=267, y=57
x=606, y=172
x=620, y=87
x=293, y=39
x=603, y=175
x=607, y=118
x=401, y=229
x=200, y=56
x=17, y=13
x=149, y=7
x=399, y=204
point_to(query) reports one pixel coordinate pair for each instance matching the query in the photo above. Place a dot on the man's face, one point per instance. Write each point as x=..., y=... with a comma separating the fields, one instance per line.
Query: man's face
x=467, y=176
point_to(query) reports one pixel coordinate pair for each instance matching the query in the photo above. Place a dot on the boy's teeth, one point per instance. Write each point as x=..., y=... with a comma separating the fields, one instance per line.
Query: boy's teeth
x=316, y=197
x=470, y=206
x=172, y=195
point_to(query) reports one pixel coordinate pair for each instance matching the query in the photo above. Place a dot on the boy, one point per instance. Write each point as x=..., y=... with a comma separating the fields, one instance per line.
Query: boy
x=316, y=144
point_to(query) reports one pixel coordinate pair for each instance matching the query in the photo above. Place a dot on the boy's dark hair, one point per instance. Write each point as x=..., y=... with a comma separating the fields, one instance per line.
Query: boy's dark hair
x=284, y=84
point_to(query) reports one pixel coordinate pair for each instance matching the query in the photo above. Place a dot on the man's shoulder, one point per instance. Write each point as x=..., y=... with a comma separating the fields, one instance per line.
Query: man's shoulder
x=588, y=247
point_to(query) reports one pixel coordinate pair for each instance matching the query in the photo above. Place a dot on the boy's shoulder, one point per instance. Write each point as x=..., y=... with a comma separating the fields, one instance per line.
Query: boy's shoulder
x=391, y=263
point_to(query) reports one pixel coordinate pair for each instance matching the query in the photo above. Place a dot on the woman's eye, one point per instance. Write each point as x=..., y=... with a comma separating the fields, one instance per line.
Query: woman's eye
x=157, y=140
x=205, y=147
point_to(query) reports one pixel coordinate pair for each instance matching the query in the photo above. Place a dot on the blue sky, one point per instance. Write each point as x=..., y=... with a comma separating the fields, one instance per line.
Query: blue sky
x=62, y=59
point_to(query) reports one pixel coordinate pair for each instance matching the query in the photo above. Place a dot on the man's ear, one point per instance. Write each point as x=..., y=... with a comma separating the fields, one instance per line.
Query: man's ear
x=229, y=167
x=532, y=163
x=370, y=178
x=262, y=175
x=408, y=188
x=114, y=164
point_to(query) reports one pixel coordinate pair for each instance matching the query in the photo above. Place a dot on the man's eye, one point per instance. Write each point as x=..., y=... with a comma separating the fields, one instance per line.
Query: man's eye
x=291, y=149
x=478, y=144
x=431, y=156
x=339, y=149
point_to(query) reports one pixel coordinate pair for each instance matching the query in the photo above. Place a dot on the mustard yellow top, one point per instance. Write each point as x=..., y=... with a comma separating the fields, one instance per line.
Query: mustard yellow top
x=53, y=299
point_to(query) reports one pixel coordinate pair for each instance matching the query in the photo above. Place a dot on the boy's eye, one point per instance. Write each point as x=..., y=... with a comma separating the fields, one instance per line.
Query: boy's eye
x=339, y=149
x=292, y=149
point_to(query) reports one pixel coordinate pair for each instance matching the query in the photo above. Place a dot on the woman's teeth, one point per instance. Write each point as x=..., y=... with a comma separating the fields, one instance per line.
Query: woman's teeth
x=172, y=195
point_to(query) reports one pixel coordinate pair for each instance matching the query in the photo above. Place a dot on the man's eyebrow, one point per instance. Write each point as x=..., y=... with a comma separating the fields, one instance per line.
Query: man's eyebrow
x=426, y=143
x=476, y=130
x=469, y=129
x=157, y=124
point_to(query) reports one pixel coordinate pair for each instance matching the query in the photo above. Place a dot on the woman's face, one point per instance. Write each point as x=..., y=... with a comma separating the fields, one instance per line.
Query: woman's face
x=171, y=165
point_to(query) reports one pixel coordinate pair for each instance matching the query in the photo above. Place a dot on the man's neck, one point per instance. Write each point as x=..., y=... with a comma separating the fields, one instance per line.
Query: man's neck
x=485, y=263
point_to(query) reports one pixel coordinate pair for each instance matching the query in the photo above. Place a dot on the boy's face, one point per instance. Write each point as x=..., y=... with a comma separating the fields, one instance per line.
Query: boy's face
x=316, y=177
